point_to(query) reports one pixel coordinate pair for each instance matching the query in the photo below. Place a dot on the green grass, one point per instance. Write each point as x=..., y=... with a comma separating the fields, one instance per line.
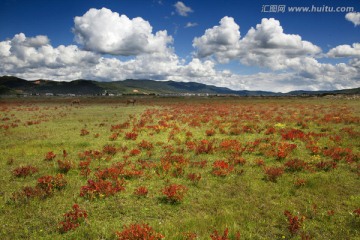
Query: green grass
x=244, y=202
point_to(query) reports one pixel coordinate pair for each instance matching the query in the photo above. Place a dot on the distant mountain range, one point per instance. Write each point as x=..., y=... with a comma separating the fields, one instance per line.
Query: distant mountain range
x=10, y=85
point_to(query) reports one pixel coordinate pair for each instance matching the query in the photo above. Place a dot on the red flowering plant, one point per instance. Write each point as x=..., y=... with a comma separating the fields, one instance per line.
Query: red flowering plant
x=72, y=219
x=64, y=165
x=45, y=187
x=174, y=193
x=84, y=168
x=109, y=149
x=295, y=165
x=222, y=168
x=204, y=146
x=50, y=156
x=225, y=236
x=141, y=191
x=24, y=171
x=273, y=173
x=284, y=149
x=294, y=222
x=194, y=178
x=139, y=232
x=84, y=132
x=357, y=212
x=101, y=188
x=48, y=184
x=131, y=135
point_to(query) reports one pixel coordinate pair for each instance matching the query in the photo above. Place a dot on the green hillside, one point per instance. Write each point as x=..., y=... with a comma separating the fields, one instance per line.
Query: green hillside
x=10, y=85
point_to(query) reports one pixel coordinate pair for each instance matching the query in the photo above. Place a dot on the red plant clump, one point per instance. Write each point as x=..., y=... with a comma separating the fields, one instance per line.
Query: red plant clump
x=332, y=212
x=101, y=188
x=273, y=173
x=120, y=126
x=259, y=162
x=64, y=165
x=131, y=135
x=326, y=166
x=49, y=183
x=72, y=219
x=45, y=187
x=270, y=130
x=284, y=149
x=50, y=156
x=84, y=168
x=222, y=168
x=84, y=132
x=114, y=136
x=109, y=149
x=145, y=145
x=294, y=222
x=204, y=146
x=174, y=193
x=300, y=182
x=235, y=131
x=293, y=134
x=199, y=164
x=337, y=153
x=25, y=194
x=234, y=159
x=225, y=236
x=141, y=191
x=295, y=165
x=232, y=145
x=65, y=154
x=24, y=171
x=139, y=232
x=195, y=178
x=189, y=236
x=91, y=155
x=357, y=212
x=210, y=132
x=135, y=152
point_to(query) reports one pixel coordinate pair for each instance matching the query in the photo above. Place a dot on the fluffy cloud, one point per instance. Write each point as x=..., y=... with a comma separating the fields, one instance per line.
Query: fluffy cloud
x=23, y=55
x=266, y=46
x=106, y=32
x=290, y=59
x=223, y=41
x=269, y=46
x=182, y=9
x=345, y=51
x=353, y=17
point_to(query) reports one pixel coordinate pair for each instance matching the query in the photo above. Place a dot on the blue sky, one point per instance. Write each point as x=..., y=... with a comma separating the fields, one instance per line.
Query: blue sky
x=200, y=41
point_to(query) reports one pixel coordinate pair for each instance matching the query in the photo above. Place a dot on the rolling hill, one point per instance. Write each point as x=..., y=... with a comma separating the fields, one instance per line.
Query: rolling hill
x=10, y=85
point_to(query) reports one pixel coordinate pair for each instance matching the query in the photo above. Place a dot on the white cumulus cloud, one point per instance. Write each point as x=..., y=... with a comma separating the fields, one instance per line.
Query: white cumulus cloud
x=292, y=63
x=182, y=9
x=222, y=41
x=106, y=32
x=266, y=45
x=345, y=51
x=23, y=55
x=353, y=17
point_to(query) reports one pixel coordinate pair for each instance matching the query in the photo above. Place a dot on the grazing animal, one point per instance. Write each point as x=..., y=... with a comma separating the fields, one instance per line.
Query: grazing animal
x=75, y=101
x=129, y=101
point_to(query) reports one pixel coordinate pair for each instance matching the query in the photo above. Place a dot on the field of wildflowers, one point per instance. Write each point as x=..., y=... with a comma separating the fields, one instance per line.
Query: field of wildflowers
x=180, y=169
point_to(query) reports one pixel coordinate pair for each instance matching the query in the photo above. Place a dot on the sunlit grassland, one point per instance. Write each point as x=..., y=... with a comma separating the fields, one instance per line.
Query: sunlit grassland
x=242, y=201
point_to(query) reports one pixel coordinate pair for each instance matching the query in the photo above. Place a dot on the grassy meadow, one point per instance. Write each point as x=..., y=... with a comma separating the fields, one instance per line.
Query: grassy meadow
x=196, y=168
